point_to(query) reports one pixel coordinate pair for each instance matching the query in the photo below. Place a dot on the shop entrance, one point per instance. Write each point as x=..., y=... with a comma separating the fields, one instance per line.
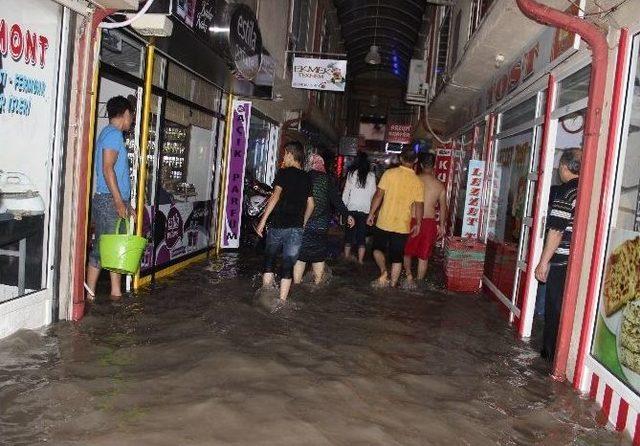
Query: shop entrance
x=513, y=185
x=185, y=136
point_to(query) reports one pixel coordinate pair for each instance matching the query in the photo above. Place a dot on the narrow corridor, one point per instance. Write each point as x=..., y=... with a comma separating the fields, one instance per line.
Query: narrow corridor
x=199, y=362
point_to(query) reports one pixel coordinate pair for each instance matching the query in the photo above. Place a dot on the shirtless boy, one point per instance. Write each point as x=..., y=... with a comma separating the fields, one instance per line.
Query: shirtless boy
x=430, y=229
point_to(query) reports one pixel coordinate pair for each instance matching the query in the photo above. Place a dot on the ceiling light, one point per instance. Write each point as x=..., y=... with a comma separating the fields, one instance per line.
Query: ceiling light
x=373, y=56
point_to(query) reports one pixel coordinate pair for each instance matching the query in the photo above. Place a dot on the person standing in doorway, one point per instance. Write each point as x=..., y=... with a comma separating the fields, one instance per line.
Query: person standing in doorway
x=113, y=188
x=287, y=212
x=435, y=200
x=357, y=195
x=552, y=268
x=399, y=191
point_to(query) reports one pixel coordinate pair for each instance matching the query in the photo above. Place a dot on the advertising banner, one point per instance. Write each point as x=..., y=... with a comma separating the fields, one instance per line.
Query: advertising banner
x=238, y=143
x=616, y=342
x=179, y=230
x=399, y=133
x=319, y=74
x=473, y=199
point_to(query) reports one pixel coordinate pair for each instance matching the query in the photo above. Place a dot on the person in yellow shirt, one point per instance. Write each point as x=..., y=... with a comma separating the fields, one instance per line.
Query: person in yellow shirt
x=399, y=189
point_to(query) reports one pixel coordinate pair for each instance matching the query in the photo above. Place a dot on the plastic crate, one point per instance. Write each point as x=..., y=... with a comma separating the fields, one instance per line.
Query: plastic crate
x=463, y=284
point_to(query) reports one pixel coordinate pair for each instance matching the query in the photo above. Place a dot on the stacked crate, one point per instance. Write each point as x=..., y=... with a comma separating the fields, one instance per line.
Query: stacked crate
x=463, y=264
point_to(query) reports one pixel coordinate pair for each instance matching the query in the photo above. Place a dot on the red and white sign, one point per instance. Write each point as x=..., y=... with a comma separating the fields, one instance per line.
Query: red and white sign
x=473, y=199
x=442, y=169
x=399, y=133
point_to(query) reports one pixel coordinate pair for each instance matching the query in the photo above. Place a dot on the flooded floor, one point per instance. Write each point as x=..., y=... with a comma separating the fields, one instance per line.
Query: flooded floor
x=197, y=361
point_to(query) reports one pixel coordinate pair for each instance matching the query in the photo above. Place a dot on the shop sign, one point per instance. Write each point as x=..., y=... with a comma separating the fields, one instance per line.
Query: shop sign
x=443, y=163
x=29, y=48
x=245, y=42
x=550, y=46
x=237, y=150
x=399, y=133
x=199, y=15
x=319, y=74
x=473, y=199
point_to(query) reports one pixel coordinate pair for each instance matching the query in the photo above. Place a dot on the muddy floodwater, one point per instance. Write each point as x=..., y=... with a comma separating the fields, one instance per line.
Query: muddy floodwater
x=197, y=361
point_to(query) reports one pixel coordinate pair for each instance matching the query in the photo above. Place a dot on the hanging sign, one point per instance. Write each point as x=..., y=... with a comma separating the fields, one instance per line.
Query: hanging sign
x=319, y=74
x=399, y=133
x=473, y=199
x=443, y=162
x=237, y=150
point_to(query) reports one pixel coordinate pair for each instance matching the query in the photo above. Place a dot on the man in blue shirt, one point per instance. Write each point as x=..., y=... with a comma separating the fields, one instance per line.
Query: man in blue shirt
x=113, y=187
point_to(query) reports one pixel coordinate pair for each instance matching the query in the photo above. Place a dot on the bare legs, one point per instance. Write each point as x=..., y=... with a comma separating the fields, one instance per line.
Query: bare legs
x=378, y=256
x=318, y=271
x=423, y=265
x=285, y=284
x=116, y=280
x=361, y=253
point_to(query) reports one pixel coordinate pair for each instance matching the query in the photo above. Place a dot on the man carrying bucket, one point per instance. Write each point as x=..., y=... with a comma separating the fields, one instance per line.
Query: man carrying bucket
x=113, y=188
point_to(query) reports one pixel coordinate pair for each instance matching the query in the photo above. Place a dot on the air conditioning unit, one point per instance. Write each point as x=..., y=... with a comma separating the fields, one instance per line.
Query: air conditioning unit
x=417, y=86
x=158, y=25
x=118, y=5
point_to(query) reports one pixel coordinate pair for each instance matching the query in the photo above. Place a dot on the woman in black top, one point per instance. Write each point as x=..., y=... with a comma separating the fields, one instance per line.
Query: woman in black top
x=314, y=238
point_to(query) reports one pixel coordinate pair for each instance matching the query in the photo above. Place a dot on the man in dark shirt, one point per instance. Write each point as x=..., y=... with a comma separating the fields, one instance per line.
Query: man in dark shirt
x=552, y=267
x=287, y=212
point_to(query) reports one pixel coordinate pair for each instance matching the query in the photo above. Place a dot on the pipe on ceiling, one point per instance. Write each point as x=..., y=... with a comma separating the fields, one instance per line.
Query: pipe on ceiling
x=597, y=41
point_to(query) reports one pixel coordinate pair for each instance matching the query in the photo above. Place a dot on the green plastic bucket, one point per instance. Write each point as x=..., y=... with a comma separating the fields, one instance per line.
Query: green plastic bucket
x=121, y=253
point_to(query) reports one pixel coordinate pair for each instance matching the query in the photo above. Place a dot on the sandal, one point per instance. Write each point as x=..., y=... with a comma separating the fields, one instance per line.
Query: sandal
x=91, y=295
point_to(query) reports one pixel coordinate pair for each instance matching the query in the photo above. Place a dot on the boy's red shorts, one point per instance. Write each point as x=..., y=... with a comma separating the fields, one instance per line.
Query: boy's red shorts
x=421, y=245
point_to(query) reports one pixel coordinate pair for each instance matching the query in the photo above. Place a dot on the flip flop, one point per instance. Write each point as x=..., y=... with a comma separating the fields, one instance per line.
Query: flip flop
x=91, y=295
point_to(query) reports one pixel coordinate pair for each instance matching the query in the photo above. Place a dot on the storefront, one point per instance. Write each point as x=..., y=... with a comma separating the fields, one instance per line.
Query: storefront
x=180, y=129
x=608, y=365
x=533, y=112
x=35, y=58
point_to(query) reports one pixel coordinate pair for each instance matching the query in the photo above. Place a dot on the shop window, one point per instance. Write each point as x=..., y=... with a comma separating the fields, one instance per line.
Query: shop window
x=122, y=52
x=574, y=87
x=518, y=115
x=187, y=85
x=617, y=334
x=159, y=70
x=300, y=19
x=479, y=9
x=443, y=47
x=262, y=149
x=27, y=178
x=507, y=209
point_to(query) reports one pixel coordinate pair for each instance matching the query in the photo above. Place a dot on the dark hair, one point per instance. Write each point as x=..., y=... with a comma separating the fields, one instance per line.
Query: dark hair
x=296, y=149
x=362, y=167
x=117, y=105
x=426, y=160
x=572, y=159
x=408, y=156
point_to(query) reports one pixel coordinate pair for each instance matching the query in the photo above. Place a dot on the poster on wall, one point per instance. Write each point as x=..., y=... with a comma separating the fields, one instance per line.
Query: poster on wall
x=179, y=230
x=238, y=141
x=319, y=74
x=616, y=342
x=473, y=199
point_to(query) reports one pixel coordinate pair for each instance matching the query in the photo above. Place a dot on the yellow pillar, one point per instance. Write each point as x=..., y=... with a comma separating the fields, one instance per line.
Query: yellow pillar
x=144, y=145
x=222, y=194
